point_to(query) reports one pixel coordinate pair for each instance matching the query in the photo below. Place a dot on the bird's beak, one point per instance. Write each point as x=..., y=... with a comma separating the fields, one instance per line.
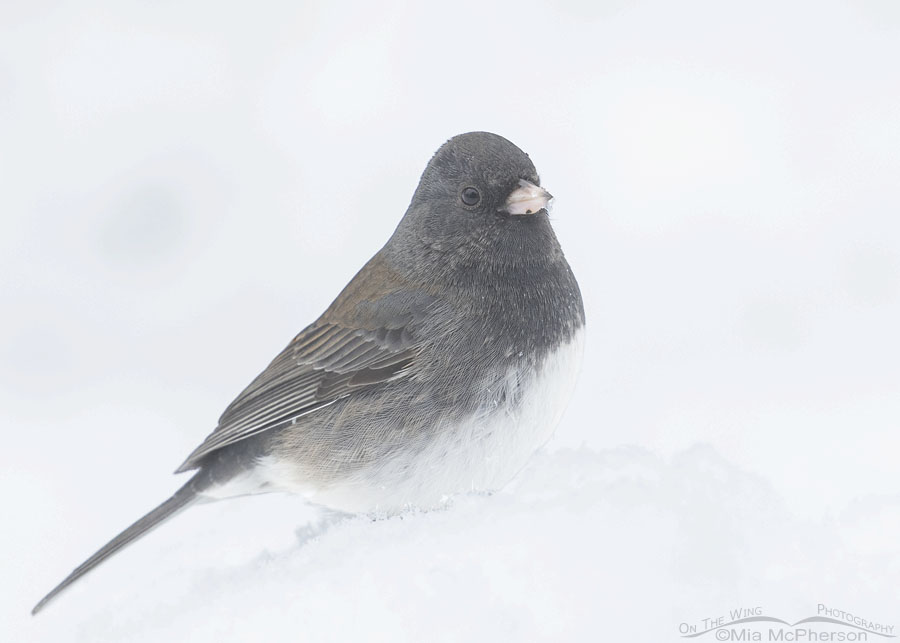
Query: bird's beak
x=527, y=199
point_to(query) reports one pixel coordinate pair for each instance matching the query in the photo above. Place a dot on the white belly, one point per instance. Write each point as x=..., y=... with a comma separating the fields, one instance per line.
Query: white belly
x=484, y=453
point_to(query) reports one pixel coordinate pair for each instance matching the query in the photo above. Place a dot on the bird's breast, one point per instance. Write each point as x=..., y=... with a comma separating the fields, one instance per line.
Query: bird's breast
x=480, y=451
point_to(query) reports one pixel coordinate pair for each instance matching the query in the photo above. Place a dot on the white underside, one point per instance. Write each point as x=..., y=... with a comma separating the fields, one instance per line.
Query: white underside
x=482, y=454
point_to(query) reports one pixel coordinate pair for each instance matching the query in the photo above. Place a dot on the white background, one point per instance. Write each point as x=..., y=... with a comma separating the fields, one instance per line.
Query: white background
x=184, y=186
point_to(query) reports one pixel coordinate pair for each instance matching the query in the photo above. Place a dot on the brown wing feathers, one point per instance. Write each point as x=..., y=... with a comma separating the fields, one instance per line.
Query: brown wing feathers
x=321, y=365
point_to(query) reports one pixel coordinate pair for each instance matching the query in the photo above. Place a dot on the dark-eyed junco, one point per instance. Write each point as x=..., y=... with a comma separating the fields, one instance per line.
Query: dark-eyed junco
x=441, y=367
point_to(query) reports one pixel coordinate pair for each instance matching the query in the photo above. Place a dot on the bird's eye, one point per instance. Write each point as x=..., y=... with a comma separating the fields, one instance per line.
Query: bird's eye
x=470, y=196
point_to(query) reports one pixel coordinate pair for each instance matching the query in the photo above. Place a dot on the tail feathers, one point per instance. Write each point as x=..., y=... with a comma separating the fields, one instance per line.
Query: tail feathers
x=182, y=499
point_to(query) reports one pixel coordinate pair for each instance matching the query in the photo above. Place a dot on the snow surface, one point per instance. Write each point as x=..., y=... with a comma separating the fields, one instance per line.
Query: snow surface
x=183, y=186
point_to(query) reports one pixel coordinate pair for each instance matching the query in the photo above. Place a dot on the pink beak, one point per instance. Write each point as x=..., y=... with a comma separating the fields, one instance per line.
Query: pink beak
x=527, y=199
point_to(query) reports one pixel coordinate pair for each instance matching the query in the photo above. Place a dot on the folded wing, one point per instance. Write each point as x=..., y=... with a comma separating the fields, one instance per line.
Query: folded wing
x=325, y=362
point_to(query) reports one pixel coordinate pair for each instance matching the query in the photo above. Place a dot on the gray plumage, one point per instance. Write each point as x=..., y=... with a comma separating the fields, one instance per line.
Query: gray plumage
x=420, y=380
x=181, y=500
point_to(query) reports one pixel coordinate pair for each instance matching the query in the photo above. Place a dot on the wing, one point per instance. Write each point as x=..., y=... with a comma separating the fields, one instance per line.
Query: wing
x=323, y=364
x=329, y=360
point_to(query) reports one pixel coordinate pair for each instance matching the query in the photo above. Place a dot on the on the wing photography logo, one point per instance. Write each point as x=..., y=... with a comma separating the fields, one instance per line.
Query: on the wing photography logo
x=753, y=624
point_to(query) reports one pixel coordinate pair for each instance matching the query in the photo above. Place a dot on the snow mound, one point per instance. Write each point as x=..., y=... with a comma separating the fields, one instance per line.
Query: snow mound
x=618, y=544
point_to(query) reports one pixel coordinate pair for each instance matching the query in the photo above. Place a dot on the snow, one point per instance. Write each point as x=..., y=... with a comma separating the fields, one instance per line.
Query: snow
x=184, y=186
x=619, y=542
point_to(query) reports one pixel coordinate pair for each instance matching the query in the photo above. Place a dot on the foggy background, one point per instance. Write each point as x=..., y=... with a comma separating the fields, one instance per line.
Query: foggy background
x=184, y=186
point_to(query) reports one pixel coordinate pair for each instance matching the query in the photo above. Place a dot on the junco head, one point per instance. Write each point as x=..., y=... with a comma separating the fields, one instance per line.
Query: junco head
x=476, y=186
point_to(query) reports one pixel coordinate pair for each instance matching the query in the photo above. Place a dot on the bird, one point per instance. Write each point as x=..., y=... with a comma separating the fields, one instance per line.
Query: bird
x=441, y=367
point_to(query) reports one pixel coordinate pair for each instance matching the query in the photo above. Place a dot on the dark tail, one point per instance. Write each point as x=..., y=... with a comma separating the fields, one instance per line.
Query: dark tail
x=182, y=499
